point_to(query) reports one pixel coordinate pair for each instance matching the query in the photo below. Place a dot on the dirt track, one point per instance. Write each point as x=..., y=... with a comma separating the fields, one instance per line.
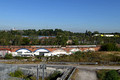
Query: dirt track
x=86, y=75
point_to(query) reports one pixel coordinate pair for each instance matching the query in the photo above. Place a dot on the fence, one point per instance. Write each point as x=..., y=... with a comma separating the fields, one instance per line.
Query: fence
x=5, y=69
x=86, y=63
x=69, y=78
x=66, y=75
x=79, y=63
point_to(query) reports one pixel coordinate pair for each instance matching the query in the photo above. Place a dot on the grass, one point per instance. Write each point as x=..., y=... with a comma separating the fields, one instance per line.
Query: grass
x=74, y=74
x=54, y=76
x=20, y=74
x=21, y=62
x=88, y=57
x=100, y=56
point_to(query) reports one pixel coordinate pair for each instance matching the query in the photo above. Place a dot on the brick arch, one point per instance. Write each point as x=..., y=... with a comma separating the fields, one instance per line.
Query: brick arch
x=5, y=49
x=41, y=49
x=23, y=49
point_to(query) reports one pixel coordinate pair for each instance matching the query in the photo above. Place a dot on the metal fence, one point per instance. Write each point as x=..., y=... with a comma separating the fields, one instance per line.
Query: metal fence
x=86, y=63
x=69, y=78
x=79, y=63
x=5, y=69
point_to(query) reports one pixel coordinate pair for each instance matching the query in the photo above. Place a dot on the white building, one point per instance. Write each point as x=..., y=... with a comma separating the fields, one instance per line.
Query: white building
x=23, y=52
x=41, y=51
x=4, y=52
x=74, y=50
x=57, y=52
x=109, y=35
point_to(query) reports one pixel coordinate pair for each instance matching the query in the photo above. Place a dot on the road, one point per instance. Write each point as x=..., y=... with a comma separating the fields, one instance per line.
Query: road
x=86, y=67
x=92, y=67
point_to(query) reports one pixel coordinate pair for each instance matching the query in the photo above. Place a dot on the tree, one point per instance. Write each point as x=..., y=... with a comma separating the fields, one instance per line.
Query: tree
x=25, y=41
x=95, y=32
x=8, y=56
x=88, y=33
x=75, y=40
x=109, y=47
x=61, y=39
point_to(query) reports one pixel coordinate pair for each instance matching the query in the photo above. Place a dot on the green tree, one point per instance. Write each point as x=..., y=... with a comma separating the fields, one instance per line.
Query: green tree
x=61, y=39
x=8, y=56
x=109, y=47
x=95, y=32
x=112, y=75
x=25, y=41
x=75, y=40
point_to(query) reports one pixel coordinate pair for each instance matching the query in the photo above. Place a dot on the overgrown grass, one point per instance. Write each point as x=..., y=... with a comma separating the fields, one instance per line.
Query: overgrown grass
x=86, y=57
x=74, y=74
x=20, y=74
x=101, y=56
x=20, y=58
x=54, y=76
x=17, y=73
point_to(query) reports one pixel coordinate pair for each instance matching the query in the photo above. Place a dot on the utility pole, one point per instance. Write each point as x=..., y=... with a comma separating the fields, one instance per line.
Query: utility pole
x=37, y=72
x=43, y=66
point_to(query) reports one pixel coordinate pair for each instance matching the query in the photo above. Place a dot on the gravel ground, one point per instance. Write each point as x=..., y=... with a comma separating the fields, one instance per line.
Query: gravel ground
x=86, y=75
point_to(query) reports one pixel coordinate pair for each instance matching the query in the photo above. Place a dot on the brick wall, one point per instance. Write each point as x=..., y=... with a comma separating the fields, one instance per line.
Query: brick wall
x=33, y=48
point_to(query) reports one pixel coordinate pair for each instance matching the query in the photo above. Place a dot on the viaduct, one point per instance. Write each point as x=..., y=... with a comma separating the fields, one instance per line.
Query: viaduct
x=51, y=48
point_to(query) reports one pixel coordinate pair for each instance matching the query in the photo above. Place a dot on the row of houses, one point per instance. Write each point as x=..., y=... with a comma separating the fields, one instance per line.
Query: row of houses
x=106, y=35
x=45, y=51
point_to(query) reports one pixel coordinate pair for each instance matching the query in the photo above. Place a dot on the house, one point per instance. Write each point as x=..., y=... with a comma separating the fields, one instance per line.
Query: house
x=57, y=52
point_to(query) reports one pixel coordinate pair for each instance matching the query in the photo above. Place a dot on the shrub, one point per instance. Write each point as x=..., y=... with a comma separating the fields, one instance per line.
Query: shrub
x=101, y=74
x=109, y=47
x=112, y=75
x=17, y=73
x=54, y=76
x=20, y=74
x=8, y=56
x=19, y=57
x=38, y=56
x=108, y=75
x=115, y=58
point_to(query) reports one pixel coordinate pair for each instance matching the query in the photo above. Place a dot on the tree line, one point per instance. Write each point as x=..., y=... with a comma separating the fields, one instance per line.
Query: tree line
x=53, y=37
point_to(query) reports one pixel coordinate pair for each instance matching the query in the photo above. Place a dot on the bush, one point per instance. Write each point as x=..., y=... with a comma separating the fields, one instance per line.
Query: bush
x=17, y=73
x=38, y=56
x=8, y=56
x=54, y=76
x=108, y=75
x=109, y=47
x=112, y=75
x=19, y=57
x=101, y=74
x=115, y=58
x=20, y=74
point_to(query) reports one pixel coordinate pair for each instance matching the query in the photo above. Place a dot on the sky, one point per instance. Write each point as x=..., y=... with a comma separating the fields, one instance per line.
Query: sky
x=71, y=15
